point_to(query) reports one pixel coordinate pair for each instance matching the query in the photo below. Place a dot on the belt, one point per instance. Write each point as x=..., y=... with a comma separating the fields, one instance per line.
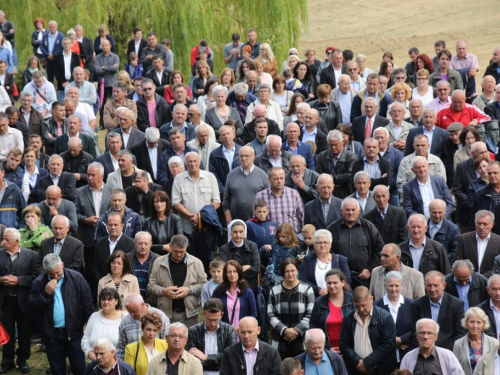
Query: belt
x=179, y=311
x=12, y=295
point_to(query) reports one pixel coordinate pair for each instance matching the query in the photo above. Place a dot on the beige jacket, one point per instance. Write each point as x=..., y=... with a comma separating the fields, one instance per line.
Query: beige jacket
x=188, y=365
x=405, y=174
x=461, y=155
x=413, y=282
x=160, y=278
x=404, y=133
x=128, y=285
x=109, y=113
x=461, y=351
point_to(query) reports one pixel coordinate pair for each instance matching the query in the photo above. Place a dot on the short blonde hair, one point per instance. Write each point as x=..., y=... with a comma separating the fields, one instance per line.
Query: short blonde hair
x=476, y=312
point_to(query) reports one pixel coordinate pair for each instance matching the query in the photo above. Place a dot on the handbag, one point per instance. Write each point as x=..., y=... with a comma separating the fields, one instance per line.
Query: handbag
x=4, y=336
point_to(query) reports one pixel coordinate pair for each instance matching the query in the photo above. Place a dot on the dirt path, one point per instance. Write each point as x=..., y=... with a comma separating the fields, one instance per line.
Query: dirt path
x=373, y=27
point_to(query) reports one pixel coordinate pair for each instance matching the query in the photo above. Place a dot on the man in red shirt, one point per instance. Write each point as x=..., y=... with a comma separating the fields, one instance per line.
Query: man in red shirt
x=459, y=111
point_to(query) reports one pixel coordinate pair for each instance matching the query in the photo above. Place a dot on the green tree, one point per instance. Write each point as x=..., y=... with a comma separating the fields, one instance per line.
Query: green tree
x=185, y=23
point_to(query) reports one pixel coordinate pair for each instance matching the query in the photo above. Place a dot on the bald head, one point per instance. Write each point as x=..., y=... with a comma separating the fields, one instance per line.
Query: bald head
x=260, y=111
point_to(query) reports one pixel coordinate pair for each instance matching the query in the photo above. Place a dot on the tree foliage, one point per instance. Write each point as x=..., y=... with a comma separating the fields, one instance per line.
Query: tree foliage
x=185, y=23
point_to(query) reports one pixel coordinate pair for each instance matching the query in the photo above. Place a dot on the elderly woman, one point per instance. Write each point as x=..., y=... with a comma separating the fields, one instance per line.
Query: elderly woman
x=289, y=310
x=273, y=108
x=468, y=137
x=202, y=74
x=267, y=57
x=207, y=101
x=423, y=90
x=400, y=93
x=399, y=307
x=481, y=168
x=475, y=344
x=363, y=70
x=291, y=52
x=280, y=95
x=77, y=47
x=349, y=143
x=34, y=232
x=103, y=35
x=329, y=309
x=218, y=115
x=315, y=266
x=329, y=111
x=37, y=36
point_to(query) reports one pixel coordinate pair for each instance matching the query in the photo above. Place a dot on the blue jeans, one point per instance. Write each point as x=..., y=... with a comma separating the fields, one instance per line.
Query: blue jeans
x=60, y=348
x=394, y=200
x=60, y=95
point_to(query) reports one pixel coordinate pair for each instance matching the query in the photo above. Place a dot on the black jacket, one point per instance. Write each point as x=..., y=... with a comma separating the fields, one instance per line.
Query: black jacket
x=78, y=304
x=434, y=257
x=226, y=336
x=382, y=333
x=248, y=254
x=165, y=80
x=81, y=168
x=131, y=48
x=464, y=174
x=332, y=115
x=60, y=71
x=477, y=290
x=485, y=306
x=133, y=198
x=162, y=232
x=268, y=361
x=384, y=166
x=447, y=155
x=393, y=227
x=67, y=183
x=262, y=161
x=491, y=70
x=483, y=201
x=143, y=114
x=342, y=172
x=249, y=130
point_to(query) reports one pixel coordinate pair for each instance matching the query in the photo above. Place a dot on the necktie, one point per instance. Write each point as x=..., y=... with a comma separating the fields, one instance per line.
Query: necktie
x=368, y=129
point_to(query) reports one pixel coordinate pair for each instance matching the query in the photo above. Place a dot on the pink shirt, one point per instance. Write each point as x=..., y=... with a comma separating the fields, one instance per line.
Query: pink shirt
x=152, y=114
x=231, y=300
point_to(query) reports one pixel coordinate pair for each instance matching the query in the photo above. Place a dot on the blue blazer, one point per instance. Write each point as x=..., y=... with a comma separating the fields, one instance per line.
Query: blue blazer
x=247, y=305
x=308, y=270
x=305, y=150
x=33, y=197
x=412, y=199
x=438, y=137
x=189, y=131
x=219, y=165
x=447, y=236
x=57, y=50
x=403, y=321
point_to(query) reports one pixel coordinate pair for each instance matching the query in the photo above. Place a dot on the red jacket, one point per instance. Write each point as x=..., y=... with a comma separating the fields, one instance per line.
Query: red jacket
x=446, y=116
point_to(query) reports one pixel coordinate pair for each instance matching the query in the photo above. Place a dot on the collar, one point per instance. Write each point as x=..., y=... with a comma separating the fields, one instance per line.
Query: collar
x=423, y=244
x=383, y=212
x=207, y=331
x=486, y=239
x=358, y=196
x=329, y=201
x=356, y=315
x=401, y=300
x=251, y=169
x=438, y=225
x=468, y=282
x=424, y=184
x=428, y=131
x=256, y=347
x=118, y=239
x=376, y=160
x=438, y=303
x=229, y=149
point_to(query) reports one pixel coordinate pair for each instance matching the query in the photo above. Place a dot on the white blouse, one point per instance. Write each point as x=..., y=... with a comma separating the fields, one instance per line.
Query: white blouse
x=99, y=327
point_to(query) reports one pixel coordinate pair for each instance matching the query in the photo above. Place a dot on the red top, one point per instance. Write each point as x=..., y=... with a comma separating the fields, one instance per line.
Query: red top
x=168, y=95
x=76, y=49
x=446, y=116
x=334, y=324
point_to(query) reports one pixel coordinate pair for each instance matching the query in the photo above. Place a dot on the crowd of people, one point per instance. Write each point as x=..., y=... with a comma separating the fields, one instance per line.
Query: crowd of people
x=324, y=217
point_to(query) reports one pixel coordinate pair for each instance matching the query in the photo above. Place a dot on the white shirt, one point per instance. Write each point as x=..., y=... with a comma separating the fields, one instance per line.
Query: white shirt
x=153, y=157
x=321, y=272
x=159, y=75
x=55, y=179
x=86, y=114
x=137, y=45
x=309, y=137
x=338, y=73
x=497, y=363
x=429, y=133
x=496, y=316
x=416, y=254
x=427, y=195
x=112, y=244
x=275, y=162
x=394, y=313
x=97, y=197
x=481, y=248
x=114, y=161
x=125, y=138
x=67, y=66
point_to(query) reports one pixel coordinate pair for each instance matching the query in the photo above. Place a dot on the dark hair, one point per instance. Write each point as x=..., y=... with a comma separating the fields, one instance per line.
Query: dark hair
x=231, y=122
x=152, y=317
x=293, y=105
x=136, y=29
x=157, y=56
x=213, y=305
x=345, y=129
x=384, y=66
x=428, y=64
x=10, y=110
x=413, y=50
x=209, y=83
x=278, y=79
x=290, y=366
x=347, y=54
x=285, y=262
x=341, y=275
x=477, y=161
x=308, y=75
x=289, y=232
x=173, y=74
x=216, y=263
x=240, y=69
x=224, y=285
x=440, y=43
x=56, y=105
x=151, y=34
x=126, y=264
x=444, y=52
x=389, y=55
x=110, y=293
x=235, y=37
x=259, y=203
x=162, y=197
x=467, y=130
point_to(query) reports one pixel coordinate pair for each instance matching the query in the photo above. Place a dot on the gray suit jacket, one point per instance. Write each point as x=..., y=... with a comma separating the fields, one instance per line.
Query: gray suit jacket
x=66, y=208
x=413, y=282
x=310, y=179
x=369, y=205
x=461, y=351
x=84, y=204
x=135, y=137
x=334, y=95
x=71, y=253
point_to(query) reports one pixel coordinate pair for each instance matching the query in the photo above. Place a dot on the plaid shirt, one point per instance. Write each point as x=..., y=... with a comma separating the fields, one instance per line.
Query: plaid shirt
x=287, y=208
x=130, y=331
x=470, y=61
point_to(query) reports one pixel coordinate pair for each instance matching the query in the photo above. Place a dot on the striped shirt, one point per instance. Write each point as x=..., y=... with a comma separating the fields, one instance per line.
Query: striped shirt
x=286, y=208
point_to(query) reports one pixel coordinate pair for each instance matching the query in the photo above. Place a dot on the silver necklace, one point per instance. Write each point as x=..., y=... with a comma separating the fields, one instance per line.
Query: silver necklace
x=320, y=263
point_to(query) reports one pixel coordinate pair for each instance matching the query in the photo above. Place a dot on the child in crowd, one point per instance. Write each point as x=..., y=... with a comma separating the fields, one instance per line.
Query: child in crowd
x=286, y=245
x=133, y=68
x=216, y=268
x=260, y=229
x=307, y=243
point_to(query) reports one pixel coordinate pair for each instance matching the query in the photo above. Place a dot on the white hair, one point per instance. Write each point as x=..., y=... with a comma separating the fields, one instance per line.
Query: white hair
x=305, y=105
x=98, y=165
x=307, y=336
x=322, y=233
x=381, y=129
x=349, y=200
x=66, y=220
x=271, y=137
x=427, y=321
x=104, y=343
x=16, y=235
x=417, y=159
x=175, y=326
x=133, y=298
x=51, y=261
x=335, y=135
x=175, y=160
x=393, y=275
x=152, y=134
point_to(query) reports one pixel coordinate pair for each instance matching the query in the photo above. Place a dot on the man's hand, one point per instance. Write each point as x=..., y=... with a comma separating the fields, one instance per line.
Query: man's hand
x=53, y=211
x=194, y=220
x=291, y=334
x=141, y=184
x=77, y=176
x=51, y=287
x=361, y=367
x=91, y=221
x=10, y=280
x=384, y=175
x=365, y=274
x=198, y=354
x=182, y=292
x=298, y=180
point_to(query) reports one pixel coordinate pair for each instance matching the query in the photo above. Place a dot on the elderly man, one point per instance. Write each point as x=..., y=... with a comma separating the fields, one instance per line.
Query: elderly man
x=285, y=204
x=106, y=361
x=151, y=108
x=63, y=312
x=31, y=117
x=466, y=61
x=338, y=162
x=130, y=135
x=442, y=229
x=149, y=151
x=179, y=116
x=465, y=284
x=300, y=112
x=119, y=100
x=302, y=179
x=493, y=109
x=140, y=193
x=250, y=129
x=240, y=99
x=176, y=280
x=175, y=358
x=364, y=127
x=372, y=90
x=87, y=90
x=367, y=349
x=378, y=169
x=316, y=359
x=17, y=272
x=398, y=128
x=420, y=191
x=9, y=138
x=460, y=111
x=416, y=111
x=272, y=108
x=394, y=156
x=54, y=205
x=242, y=185
x=488, y=96
x=486, y=197
x=446, y=73
x=354, y=233
x=109, y=160
x=428, y=357
x=74, y=131
x=83, y=110
x=389, y=220
x=420, y=252
x=39, y=86
x=251, y=79
x=344, y=94
x=390, y=259
x=66, y=181
x=435, y=165
x=296, y=147
x=202, y=143
x=251, y=354
x=122, y=178
x=208, y=340
x=435, y=135
x=325, y=209
x=443, y=90
x=491, y=305
x=362, y=192
x=330, y=75
x=76, y=161
x=481, y=246
x=442, y=308
x=130, y=330
x=311, y=132
x=274, y=156
x=357, y=82
x=180, y=97
x=194, y=116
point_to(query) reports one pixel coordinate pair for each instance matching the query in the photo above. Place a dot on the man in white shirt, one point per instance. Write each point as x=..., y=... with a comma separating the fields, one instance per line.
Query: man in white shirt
x=357, y=83
x=9, y=138
x=83, y=110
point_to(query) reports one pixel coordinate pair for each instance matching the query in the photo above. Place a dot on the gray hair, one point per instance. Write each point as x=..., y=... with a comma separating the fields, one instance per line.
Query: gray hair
x=305, y=105
x=75, y=116
x=421, y=104
x=25, y=94
x=175, y=160
x=420, y=216
x=264, y=86
x=201, y=127
x=271, y=137
x=66, y=220
x=395, y=249
x=152, y=134
x=112, y=135
x=428, y=110
x=302, y=159
x=484, y=213
x=55, y=156
x=349, y=200
x=192, y=153
x=195, y=107
x=226, y=127
x=51, y=261
x=78, y=140
x=307, y=336
x=382, y=129
x=240, y=88
x=53, y=22
x=126, y=153
x=179, y=240
x=417, y=159
x=370, y=100
x=427, y=321
x=141, y=233
x=359, y=175
x=104, y=343
x=491, y=279
x=475, y=145
x=175, y=326
x=126, y=110
x=335, y=135
x=368, y=140
x=179, y=106
x=139, y=173
x=393, y=275
x=133, y=298
x=443, y=82
x=462, y=262
x=98, y=165
x=16, y=235
x=220, y=88
x=322, y=233
x=386, y=189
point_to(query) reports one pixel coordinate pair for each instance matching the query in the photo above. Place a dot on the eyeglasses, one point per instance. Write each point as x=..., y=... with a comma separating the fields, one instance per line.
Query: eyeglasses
x=147, y=88
x=324, y=243
x=351, y=70
x=422, y=79
x=329, y=53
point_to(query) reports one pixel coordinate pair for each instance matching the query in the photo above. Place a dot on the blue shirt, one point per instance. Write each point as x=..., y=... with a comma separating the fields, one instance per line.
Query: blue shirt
x=435, y=308
x=463, y=291
x=59, y=312
x=229, y=155
x=345, y=102
x=141, y=272
x=52, y=40
x=323, y=368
